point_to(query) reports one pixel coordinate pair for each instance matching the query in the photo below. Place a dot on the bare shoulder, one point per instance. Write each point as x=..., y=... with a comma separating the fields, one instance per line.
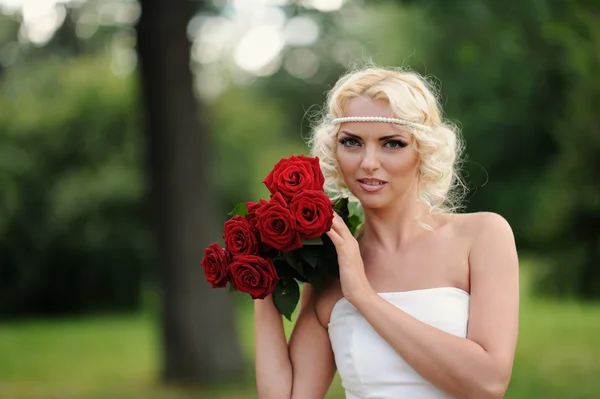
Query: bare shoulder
x=479, y=225
x=492, y=247
x=490, y=242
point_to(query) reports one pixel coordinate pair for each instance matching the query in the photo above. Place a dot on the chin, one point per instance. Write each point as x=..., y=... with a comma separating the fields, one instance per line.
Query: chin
x=373, y=201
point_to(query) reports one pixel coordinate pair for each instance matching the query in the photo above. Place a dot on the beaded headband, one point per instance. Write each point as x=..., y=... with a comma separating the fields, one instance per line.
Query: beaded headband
x=380, y=119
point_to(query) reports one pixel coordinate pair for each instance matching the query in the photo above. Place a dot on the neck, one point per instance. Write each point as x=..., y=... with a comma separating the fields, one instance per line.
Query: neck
x=393, y=228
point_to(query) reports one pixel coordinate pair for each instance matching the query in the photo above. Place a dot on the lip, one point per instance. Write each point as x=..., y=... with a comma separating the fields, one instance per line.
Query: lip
x=370, y=188
x=371, y=179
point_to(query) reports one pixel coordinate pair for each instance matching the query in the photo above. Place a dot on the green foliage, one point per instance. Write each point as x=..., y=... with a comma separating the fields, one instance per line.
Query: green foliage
x=286, y=297
x=73, y=214
x=73, y=236
x=519, y=78
x=239, y=210
x=499, y=93
x=246, y=133
x=568, y=216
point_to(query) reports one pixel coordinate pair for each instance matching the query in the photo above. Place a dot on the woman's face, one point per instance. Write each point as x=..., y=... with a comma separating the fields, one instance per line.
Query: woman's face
x=378, y=160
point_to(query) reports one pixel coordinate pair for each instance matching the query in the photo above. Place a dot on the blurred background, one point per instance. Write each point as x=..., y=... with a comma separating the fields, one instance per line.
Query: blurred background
x=128, y=129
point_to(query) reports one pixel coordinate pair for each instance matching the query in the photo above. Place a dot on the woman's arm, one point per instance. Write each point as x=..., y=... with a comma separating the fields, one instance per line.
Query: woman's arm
x=302, y=370
x=479, y=366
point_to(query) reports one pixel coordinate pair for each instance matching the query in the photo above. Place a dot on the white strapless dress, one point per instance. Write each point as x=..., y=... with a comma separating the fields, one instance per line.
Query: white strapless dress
x=369, y=367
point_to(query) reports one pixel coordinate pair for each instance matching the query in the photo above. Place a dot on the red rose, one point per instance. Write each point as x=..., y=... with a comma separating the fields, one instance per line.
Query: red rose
x=215, y=263
x=267, y=251
x=264, y=249
x=277, y=226
x=313, y=211
x=240, y=238
x=253, y=207
x=253, y=275
x=292, y=175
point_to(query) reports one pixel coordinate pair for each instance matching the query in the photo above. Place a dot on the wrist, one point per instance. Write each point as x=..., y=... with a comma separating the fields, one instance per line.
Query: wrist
x=266, y=303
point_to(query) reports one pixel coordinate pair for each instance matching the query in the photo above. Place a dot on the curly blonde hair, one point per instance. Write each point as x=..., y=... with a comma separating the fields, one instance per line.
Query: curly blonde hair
x=412, y=98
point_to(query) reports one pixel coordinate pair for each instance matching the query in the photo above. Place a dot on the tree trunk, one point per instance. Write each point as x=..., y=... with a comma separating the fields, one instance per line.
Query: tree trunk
x=198, y=329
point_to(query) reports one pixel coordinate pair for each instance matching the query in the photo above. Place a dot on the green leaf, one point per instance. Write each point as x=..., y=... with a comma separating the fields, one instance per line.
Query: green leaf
x=294, y=261
x=310, y=254
x=329, y=257
x=286, y=297
x=286, y=271
x=353, y=223
x=356, y=216
x=240, y=209
x=312, y=241
x=354, y=208
x=231, y=287
x=300, y=278
x=316, y=277
x=341, y=208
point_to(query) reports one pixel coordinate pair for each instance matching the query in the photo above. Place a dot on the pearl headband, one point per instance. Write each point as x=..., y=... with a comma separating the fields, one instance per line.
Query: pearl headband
x=380, y=119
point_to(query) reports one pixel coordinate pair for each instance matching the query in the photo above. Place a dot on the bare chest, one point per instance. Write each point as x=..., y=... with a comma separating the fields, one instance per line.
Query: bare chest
x=436, y=261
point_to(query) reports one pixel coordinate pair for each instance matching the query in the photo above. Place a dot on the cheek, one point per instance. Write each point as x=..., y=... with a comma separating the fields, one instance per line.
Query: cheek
x=405, y=165
x=346, y=162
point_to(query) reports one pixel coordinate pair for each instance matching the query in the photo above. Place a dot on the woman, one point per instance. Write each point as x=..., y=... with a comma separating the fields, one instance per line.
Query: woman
x=427, y=301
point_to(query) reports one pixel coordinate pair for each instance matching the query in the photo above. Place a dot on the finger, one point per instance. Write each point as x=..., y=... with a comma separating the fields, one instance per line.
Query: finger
x=338, y=221
x=336, y=227
x=334, y=233
x=336, y=239
x=340, y=226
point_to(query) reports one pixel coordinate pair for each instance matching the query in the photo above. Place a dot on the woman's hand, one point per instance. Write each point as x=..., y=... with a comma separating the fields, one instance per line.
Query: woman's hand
x=352, y=271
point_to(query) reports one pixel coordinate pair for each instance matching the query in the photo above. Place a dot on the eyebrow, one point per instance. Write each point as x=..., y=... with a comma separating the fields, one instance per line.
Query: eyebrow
x=380, y=139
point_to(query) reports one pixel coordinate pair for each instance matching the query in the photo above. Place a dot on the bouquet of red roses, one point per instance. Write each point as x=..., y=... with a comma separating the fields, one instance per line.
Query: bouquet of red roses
x=272, y=245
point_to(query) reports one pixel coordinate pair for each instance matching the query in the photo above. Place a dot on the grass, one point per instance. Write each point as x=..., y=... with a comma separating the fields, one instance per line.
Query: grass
x=558, y=356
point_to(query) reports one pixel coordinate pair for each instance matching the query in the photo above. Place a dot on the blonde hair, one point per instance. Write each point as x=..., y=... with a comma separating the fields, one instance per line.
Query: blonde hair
x=411, y=98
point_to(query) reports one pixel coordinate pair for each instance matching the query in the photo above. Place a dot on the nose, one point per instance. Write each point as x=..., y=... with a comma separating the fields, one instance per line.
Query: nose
x=370, y=161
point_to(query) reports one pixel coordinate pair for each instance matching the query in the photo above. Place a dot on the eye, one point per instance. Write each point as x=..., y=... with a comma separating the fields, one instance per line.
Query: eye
x=394, y=144
x=349, y=142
